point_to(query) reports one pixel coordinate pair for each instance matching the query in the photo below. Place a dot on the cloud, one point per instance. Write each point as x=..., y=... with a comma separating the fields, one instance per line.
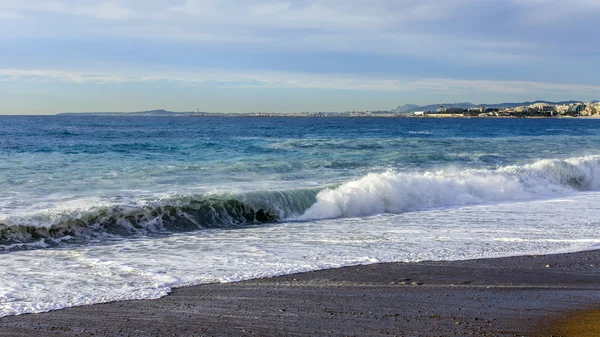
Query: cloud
x=103, y=10
x=518, y=39
x=6, y=15
x=60, y=76
x=380, y=25
x=106, y=10
x=322, y=15
x=544, y=10
x=225, y=79
x=414, y=28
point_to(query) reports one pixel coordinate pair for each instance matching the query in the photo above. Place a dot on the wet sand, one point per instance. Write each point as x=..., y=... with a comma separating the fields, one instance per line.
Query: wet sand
x=550, y=295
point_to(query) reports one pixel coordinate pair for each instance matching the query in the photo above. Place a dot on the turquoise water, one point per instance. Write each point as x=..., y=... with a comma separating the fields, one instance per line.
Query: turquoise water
x=101, y=201
x=100, y=170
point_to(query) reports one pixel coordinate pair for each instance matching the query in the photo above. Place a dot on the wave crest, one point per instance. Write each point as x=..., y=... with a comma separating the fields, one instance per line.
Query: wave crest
x=375, y=193
x=168, y=215
x=393, y=192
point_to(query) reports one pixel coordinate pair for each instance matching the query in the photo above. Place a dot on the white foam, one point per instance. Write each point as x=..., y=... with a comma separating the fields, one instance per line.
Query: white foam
x=374, y=193
x=46, y=279
x=400, y=191
x=58, y=210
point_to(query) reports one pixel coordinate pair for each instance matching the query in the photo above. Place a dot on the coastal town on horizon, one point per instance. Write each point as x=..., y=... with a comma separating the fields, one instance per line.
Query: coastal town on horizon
x=536, y=109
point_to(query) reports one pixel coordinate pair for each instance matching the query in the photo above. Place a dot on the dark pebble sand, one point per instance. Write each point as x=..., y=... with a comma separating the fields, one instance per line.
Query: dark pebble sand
x=550, y=295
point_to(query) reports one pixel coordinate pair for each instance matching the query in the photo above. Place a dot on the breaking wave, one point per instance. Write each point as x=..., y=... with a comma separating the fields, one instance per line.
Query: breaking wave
x=179, y=213
x=387, y=192
x=393, y=192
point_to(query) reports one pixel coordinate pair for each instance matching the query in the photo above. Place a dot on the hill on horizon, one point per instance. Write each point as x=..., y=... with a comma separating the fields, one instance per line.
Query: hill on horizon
x=407, y=108
x=157, y=112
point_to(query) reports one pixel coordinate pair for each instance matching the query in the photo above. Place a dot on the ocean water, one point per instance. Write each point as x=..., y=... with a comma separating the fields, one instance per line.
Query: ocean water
x=97, y=209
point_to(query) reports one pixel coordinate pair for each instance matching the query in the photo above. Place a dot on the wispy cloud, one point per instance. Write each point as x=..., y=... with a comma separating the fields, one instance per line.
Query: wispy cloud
x=105, y=10
x=471, y=48
x=6, y=15
x=301, y=81
x=409, y=27
x=546, y=11
x=61, y=76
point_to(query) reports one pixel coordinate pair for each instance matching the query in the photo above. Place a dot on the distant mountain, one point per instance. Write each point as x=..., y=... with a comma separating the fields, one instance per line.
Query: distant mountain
x=407, y=108
x=159, y=112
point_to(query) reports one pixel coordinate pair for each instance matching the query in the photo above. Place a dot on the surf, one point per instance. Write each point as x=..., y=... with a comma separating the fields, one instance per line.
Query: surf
x=375, y=193
x=167, y=215
x=395, y=192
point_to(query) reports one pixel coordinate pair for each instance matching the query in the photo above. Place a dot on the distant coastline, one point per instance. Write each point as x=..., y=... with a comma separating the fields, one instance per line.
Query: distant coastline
x=535, y=109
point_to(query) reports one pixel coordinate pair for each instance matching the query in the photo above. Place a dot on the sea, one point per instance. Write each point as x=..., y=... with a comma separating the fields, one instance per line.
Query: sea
x=96, y=209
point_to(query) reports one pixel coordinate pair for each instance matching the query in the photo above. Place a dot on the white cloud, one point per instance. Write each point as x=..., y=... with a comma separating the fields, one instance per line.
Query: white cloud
x=6, y=15
x=552, y=9
x=60, y=76
x=344, y=17
x=302, y=81
x=468, y=33
x=324, y=15
x=104, y=10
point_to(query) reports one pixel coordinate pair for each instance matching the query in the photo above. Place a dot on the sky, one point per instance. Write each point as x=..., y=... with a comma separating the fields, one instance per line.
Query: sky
x=293, y=56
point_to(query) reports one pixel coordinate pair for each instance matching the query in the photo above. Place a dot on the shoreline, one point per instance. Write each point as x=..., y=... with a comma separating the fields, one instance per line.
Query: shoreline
x=274, y=115
x=534, y=295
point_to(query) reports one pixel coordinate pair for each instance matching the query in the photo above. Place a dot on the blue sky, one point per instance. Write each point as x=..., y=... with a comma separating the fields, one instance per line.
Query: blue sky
x=291, y=56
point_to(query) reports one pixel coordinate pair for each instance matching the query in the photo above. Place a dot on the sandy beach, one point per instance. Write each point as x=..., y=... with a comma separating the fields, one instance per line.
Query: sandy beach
x=549, y=295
